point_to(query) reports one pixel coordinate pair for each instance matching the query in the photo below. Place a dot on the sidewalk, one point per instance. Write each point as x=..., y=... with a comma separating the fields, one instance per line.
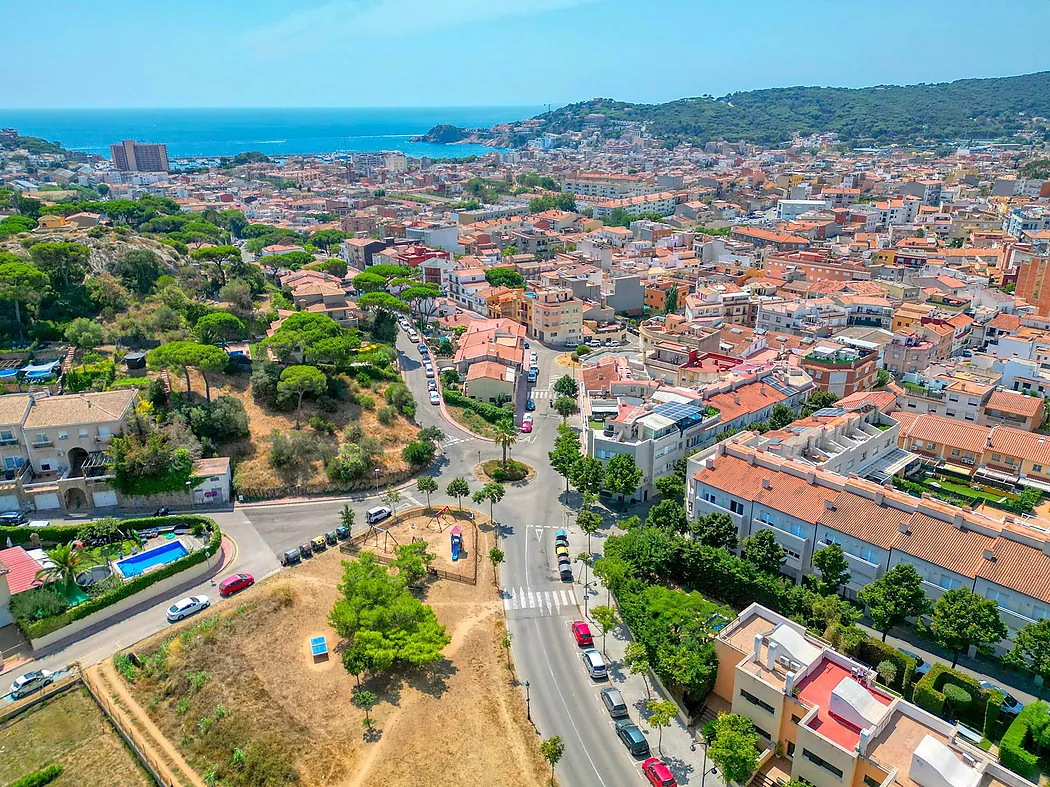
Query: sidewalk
x=683, y=755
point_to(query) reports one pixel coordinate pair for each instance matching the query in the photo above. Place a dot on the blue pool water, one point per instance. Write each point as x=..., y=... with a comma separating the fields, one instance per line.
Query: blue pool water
x=136, y=564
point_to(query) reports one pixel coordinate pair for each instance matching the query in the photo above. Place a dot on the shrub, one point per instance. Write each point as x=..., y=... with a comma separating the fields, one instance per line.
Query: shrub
x=930, y=695
x=39, y=778
x=38, y=604
x=956, y=696
x=887, y=671
x=418, y=452
x=488, y=412
x=872, y=651
x=387, y=416
x=321, y=425
x=1013, y=748
x=992, y=712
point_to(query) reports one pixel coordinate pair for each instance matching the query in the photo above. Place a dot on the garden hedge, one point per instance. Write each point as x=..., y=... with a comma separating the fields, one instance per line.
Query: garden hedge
x=489, y=412
x=63, y=534
x=38, y=628
x=39, y=778
x=992, y=710
x=873, y=651
x=929, y=696
x=1012, y=751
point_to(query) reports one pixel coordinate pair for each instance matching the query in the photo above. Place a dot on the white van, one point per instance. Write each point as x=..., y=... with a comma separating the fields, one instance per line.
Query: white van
x=377, y=514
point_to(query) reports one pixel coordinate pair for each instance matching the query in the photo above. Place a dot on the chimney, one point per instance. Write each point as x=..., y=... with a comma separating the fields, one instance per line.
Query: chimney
x=766, y=484
x=811, y=476
x=958, y=522
x=771, y=656
x=736, y=398
x=758, y=646
x=903, y=527
x=751, y=460
x=989, y=555
x=829, y=505
x=880, y=498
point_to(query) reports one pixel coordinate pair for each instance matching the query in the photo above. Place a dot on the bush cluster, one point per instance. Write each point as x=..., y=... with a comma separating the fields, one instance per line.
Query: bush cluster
x=489, y=412
x=1025, y=740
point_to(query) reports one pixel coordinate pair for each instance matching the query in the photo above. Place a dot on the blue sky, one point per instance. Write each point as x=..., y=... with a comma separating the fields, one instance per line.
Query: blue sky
x=267, y=53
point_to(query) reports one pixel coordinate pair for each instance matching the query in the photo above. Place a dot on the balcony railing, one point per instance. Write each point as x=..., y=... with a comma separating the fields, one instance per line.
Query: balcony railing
x=42, y=443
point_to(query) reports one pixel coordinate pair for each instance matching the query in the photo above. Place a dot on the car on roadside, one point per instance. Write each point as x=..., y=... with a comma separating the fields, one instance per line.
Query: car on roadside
x=422, y=348
x=30, y=682
x=185, y=607
x=921, y=667
x=530, y=405
x=526, y=424
x=1011, y=705
x=595, y=664
x=533, y=376
x=434, y=398
x=291, y=557
x=658, y=774
x=432, y=385
x=318, y=544
x=428, y=370
x=235, y=584
x=413, y=337
x=614, y=702
x=581, y=632
x=8, y=518
x=631, y=737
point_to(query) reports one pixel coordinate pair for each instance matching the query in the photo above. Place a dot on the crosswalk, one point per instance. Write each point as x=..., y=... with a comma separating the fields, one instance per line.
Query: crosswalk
x=452, y=440
x=548, y=392
x=539, y=603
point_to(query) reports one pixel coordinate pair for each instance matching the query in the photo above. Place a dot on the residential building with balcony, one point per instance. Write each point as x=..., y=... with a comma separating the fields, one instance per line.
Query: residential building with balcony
x=877, y=527
x=841, y=370
x=557, y=317
x=1009, y=408
x=822, y=720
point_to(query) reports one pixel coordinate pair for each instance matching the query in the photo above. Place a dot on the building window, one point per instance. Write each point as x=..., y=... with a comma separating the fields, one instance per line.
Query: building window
x=736, y=507
x=870, y=782
x=820, y=762
x=744, y=694
x=796, y=719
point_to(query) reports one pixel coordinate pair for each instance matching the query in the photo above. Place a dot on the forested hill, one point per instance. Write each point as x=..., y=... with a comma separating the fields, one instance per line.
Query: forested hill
x=968, y=109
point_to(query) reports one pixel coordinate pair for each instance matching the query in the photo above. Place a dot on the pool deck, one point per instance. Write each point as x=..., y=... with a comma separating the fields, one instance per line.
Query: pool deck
x=188, y=542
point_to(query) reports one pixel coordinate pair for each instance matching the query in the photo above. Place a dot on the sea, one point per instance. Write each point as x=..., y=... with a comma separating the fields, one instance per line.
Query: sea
x=193, y=133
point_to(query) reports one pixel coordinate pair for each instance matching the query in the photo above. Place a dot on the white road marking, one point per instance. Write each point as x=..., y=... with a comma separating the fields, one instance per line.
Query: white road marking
x=532, y=601
x=557, y=601
x=565, y=598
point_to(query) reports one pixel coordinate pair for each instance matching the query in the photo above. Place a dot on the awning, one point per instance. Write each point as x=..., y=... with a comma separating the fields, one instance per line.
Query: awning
x=997, y=475
x=884, y=467
x=958, y=469
x=1035, y=483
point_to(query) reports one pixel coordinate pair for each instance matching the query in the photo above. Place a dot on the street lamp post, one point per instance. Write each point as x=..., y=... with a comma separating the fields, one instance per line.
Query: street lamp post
x=377, y=481
x=528, y=703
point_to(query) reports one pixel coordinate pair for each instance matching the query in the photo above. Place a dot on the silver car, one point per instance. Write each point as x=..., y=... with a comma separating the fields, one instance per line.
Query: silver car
x=30, y=682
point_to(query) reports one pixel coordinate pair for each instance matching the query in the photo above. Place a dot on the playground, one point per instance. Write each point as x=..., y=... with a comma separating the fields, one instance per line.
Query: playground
x=449, y=534
x=262, y=666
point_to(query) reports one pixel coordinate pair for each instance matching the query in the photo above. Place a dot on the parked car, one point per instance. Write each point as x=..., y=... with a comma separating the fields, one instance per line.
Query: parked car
x=526, y=424
x=921, y=667
x=413, y=336
x=235, y=584
x=432, y=385
x=632, y=738
x=1011, y=705
x=291, y=557
x=12, y=518
x=331, y=538
x=526, y=345
x=434, y=398
x=318, y=544
x=306, y=550
x=429, y=371
x=582, y=632
x=343, y=532
x=572, y=344
x=530, y=405
x=614, y=702
x=422, y=348
x=377, y=514
x=658, y=774
x=595, y=664
x=30, y=682
x=533, y=376
x=185, y=607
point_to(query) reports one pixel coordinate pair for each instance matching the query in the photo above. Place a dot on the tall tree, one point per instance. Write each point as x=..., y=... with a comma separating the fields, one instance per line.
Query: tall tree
x=894, y=597
x=606, y=619
x=717, y=530
x=763, y=551
x=66, y=562
x=458, y=488
x=567, y=386
x=566, y=453
x=961, y=618
x=221, y=256
x=833, y=567
x=622, y=476
x=734, y=748
x=492, y=492
x=636, y=659
x=301, y=380
x=661, y=714
x=138, y=270
x=505, y=435
x=426, y=484
x=588, y=474
x=671, y=302
x=552, y=750
x=66, y=263
x=218, y=328
x=1031, y=649
x=565, y=406
x=422, y=303
x=21, y=283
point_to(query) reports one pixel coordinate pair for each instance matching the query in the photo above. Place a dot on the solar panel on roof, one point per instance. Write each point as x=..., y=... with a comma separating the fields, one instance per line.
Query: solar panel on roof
x=676, y=411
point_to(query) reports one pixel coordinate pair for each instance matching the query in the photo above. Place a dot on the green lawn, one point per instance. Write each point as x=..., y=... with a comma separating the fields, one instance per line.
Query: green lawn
x=967, y=491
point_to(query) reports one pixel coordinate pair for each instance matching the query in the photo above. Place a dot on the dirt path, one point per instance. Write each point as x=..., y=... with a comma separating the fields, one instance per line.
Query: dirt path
x=108, y=681
x=364, y=768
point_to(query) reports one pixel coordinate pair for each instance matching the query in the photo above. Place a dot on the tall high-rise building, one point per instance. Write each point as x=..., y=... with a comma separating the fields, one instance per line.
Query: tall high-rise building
x=1033, y=280
x=131, y=156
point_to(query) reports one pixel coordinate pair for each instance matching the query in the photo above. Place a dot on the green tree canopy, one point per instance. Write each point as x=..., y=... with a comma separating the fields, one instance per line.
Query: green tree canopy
x=763, y=551
x=300, y=380
x=138, y=270
x=894, y=597
x=505, y=277
x=961, y=618
x=735, y=747
x=219, y=327
x=833, y=567
x=21, y=283
x=622, y=475
x=64, y=263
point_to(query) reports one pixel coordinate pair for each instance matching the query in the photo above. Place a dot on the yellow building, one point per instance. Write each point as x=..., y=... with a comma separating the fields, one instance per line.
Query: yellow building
x=50, y=222
x=489, y=381
x=557, y=317
x=908, y=315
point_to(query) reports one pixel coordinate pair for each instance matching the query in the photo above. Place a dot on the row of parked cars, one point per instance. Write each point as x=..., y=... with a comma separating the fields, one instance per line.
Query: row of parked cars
x=629, y=733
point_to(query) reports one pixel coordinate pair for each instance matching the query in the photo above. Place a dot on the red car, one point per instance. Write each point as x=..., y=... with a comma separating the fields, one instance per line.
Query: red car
x=235, y=584
x=582, y=632
x=658, y=774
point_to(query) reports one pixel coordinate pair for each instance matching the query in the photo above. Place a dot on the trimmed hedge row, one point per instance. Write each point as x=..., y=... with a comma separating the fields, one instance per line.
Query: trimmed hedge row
x=1012, y=752
x=489, y=412
x=992, y=714
x=39, y=778
x=39, y=628
x=872, y=651
x=63, y=534
x=929, y=695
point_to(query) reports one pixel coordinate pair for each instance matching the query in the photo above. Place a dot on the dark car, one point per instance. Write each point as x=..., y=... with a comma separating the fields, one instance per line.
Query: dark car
x=632, y=738
x=291, y=557
x=331, y=537
x=343, y=532
x=530, y=405
x=162, y=511
x=12, y=518
x=614, y=702
x=306, y=550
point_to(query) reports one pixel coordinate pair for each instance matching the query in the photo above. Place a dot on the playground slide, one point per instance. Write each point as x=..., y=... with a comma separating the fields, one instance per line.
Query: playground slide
x=456, y=541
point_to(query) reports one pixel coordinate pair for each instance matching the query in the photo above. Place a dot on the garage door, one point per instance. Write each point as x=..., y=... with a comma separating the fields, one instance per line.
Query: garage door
x=46, y=502
x=9, y=503
x=104, y=499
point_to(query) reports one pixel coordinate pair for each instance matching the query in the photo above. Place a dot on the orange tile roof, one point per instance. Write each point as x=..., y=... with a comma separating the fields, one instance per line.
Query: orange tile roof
x=947, y=431
x=861, y=518
x=1011, y=402
x=749, y=398
x=793, y=496
x=944, y=545
x=1019, y=443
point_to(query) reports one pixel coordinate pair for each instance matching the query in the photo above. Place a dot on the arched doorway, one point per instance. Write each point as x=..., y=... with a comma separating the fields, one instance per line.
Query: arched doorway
x=75, y=499
x=77, y=457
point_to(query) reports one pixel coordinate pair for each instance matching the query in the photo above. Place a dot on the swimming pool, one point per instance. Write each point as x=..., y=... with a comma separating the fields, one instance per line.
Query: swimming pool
x=166, y=553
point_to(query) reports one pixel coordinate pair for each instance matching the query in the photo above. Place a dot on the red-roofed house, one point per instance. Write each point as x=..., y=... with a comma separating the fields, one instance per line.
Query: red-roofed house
x=17, y=574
